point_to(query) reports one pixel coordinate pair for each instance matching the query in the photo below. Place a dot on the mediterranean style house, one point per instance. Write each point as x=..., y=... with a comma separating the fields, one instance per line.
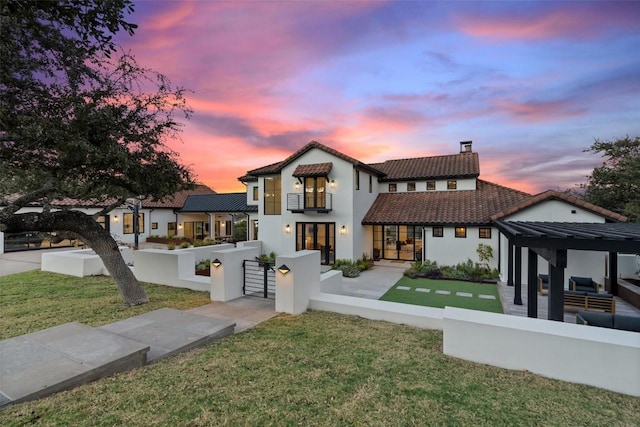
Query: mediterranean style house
x=434, y=208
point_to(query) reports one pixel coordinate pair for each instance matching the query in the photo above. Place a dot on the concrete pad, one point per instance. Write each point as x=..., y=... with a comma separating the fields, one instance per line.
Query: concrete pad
x=441, y=292
x=403, y=288
x=168, y=331
x=424, y=290
x=464, y=294
x=483, y=296
x=44, y=362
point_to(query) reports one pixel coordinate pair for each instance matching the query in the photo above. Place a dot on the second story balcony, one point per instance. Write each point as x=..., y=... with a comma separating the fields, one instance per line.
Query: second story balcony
x=305, y=203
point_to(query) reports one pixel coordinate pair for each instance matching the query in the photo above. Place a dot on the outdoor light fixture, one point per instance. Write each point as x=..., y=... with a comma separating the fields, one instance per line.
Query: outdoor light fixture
x=216, y=263
x=297, y=185
x=287, y=228
x=179, y=225
x=343, y=230
x=115, y=219
x=284, y=269
x=333, y=183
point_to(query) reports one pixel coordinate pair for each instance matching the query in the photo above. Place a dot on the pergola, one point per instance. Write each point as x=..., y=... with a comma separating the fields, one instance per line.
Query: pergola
x=551, y=240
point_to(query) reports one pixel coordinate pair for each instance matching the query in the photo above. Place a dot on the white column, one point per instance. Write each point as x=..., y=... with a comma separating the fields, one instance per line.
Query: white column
x=294, y=289
x=226, y=279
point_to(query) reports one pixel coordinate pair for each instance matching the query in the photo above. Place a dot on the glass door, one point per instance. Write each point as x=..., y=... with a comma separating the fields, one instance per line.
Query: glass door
x=319, y=237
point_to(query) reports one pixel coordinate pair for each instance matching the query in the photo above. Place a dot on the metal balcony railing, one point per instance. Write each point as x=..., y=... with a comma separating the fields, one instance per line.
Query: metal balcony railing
x=301, y=203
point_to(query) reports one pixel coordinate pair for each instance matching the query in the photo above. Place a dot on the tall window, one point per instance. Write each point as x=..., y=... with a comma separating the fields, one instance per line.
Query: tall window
x=485, y=232
x=452, y=184
x=393, y=188
x=438, y=232
x=314, y=192
x=127, y=223
x=370, y=183
x=357, y=180
x=461, y=232
x=272, y=195
x=171, y=228
x=431, y=185
x=411, y=186
x=255, y=192
x=104, y=220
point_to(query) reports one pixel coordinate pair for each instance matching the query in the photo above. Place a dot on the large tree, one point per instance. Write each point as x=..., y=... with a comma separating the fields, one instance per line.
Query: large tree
x=80, y=119
x=615, y=184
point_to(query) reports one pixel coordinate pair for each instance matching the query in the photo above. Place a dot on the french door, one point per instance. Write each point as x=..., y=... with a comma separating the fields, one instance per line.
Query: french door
x=320, y=236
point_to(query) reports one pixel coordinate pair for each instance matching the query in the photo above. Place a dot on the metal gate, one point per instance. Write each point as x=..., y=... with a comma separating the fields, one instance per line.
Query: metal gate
x=259, y=279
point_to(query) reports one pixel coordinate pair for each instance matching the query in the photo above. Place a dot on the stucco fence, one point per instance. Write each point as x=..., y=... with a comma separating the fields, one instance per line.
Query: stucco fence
x=599, y=357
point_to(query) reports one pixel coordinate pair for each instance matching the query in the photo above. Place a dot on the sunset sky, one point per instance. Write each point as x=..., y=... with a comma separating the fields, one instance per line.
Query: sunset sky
x=531, y=83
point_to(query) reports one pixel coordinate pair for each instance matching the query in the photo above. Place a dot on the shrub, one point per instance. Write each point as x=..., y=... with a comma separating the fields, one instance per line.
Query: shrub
x=171, y=246
x=184, y=245
x=349, y=268
x=203, y=265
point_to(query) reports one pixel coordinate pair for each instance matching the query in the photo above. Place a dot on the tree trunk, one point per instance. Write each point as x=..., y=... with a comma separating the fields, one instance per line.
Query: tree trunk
x=93, y=235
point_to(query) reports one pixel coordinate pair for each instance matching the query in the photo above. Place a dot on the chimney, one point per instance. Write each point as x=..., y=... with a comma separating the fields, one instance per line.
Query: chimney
x=465, y=146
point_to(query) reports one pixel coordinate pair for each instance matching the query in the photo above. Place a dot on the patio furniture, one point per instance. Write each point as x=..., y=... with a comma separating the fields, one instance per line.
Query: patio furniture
x=606, y=320
x=590, y=301
x=543, y=284
x=584, y=284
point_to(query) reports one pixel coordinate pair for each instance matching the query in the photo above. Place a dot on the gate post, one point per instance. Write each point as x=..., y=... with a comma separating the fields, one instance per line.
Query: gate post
x=295, y=287
x=227, y=279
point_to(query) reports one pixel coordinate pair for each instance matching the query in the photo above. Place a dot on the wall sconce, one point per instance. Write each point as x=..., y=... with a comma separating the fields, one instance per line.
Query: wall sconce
x=180, y=226
x=333, y=183
x=216, y=263
x=287, y=228
x=116, y=219
x=343, y=230
x=297, y=185
x=283, y=269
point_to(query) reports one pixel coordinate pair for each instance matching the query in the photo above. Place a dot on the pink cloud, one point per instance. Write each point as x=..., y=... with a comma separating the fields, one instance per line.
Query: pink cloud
x=538, y=112
x=568, y=20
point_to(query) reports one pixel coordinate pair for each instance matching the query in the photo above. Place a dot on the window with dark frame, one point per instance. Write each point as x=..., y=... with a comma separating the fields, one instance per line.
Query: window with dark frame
x=370, y=184
x=411, y=186
x=127, y=223
x=154, y=225
x=393, y=188
x=431, y=185
x=255, y=192
x=461, y=232
x=315, y=192
x=438, y=232
x=484, y=232
x=272, y=195
x=452, y=184
x=357, y=180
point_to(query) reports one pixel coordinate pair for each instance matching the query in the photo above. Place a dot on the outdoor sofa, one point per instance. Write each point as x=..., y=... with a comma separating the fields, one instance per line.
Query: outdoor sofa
x=590, y=301
x=609, y=320
x=543, y=284
x=584, y=284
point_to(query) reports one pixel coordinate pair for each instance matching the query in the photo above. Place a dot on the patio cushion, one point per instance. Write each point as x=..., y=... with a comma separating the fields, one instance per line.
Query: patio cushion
x=626, y=323
x=582, y=281
x=570, y=292
x=599, y=295
x=602, y=320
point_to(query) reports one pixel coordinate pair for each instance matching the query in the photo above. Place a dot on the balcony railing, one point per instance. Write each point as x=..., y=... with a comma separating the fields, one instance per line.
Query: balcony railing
x=321, y=204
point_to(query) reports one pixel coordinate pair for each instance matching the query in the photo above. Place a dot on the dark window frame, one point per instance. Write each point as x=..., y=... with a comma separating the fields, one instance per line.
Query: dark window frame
x=437, y=232
x=127, y=221
x=431, y=185
x=460, y=232
x=411, y=186
x=484, y=232
x=255, y=193
x=393, y=188
x=273, y=195
x=452, y=184
x=357, y=178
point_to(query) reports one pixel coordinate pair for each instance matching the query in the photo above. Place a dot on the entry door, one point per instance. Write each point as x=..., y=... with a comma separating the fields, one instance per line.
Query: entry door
x=317, y=236
x=400, y=242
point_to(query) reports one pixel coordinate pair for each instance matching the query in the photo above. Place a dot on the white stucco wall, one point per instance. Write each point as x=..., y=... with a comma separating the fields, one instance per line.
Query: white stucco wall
x=579, y=263
x=451, y=250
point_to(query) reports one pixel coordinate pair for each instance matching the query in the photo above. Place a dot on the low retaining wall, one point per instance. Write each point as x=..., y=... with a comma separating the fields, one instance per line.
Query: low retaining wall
x=174, y=268
x=80, y=263
x=599, y=357
x=405, y=314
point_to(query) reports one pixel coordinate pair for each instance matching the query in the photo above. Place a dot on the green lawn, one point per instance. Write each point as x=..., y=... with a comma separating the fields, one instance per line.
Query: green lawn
x=313, y=369
x=38, y=300
x=433, y=299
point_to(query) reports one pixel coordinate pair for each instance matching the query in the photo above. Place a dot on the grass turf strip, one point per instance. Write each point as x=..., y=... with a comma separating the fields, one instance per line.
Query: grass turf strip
x=433, y=299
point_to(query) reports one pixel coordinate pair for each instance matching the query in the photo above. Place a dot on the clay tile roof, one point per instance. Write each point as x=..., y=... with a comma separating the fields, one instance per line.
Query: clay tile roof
x=463, y=165
x=463, y=207
x=315, y=169
x=178, y=199
x=274, y=168
x=556, y=195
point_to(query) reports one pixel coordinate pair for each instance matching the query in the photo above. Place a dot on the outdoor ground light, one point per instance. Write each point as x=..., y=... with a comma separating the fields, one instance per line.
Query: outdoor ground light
x=284, y=269
x=216, y=263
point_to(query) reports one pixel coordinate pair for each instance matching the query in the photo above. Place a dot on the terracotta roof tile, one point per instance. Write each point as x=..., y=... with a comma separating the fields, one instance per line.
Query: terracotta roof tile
x=315, y=169
x=468, y=207
x=556, y=195
x=277, y=167
x=463, y=165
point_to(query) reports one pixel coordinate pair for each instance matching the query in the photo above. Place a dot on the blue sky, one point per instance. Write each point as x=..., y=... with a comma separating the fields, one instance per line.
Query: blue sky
x=531, y=83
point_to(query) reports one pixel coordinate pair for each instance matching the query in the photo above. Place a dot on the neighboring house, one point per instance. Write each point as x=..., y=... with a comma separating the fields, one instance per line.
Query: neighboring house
x=155, y=218
x=433, y=208
x=202, y=213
